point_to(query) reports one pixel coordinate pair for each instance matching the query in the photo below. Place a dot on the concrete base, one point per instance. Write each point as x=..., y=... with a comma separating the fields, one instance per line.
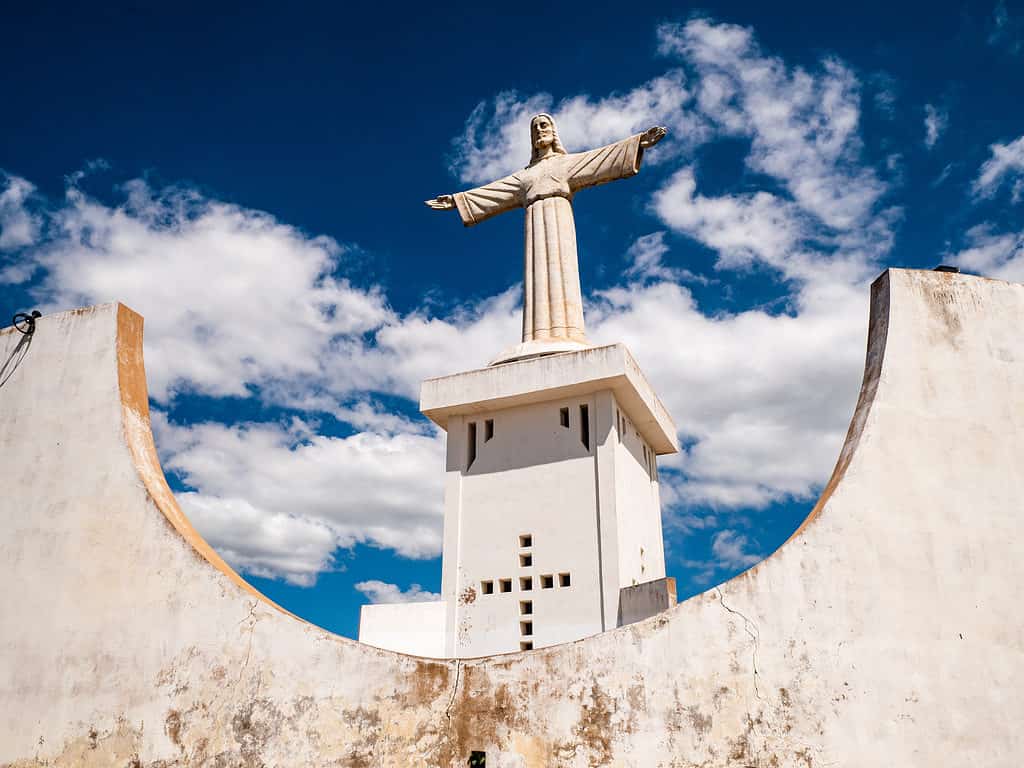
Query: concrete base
x=641, y=601
x=886, y=631
x=413, y=628
x=559, y=451
x=544, y=378
x=529, y=349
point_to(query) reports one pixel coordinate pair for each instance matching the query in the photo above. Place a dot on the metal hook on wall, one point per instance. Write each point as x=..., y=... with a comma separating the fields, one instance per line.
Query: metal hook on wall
x=25, y=322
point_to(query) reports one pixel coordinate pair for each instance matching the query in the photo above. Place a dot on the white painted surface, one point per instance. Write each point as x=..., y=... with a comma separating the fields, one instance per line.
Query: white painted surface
x=641, y=601
x=535, y=477
x=413, y=628
x=568, y=374
x=887, y=631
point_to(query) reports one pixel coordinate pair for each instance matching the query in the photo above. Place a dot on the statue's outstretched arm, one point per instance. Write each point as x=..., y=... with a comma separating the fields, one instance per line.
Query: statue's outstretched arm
x=441, y=202
x=475, y=205
x=614, y=161
x=652, y=136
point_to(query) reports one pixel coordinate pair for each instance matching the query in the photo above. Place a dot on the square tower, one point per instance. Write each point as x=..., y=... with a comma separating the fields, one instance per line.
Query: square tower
x=551, y=498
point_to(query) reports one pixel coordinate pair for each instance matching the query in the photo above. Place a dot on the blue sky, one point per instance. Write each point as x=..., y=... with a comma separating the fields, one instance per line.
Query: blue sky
x=251, y=180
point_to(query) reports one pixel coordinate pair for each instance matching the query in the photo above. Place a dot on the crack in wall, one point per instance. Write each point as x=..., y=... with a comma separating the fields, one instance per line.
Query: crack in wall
x=455, y=691
x=751, y=629
x=451, y=703
x=252, y=619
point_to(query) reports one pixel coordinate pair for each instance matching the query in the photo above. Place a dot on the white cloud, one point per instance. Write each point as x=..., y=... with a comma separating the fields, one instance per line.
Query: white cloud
x=383, y=592
x=986, y=249
x=731, y=550
x=496, y=138
x=943, y=175
x=235, y=300
x=419, y=345
x=645, y=261
x=282, y=499
x=935, y=122
x=261, y=542
x=803, y=125
x=19, y=227
x=885, y=94
x=1006, y=162
x=232, y=298
x=743, y=385
x=993, y=254
x=741, y=228
x=1005, y=32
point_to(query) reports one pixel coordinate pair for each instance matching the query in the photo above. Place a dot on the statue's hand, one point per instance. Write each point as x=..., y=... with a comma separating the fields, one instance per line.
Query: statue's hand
x=652, y=136
x=441, y=203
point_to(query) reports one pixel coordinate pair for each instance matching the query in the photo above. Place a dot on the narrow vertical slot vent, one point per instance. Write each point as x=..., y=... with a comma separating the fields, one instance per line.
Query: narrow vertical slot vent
x=488, y=429
x=471, y=445
x=563, y=417
x=585, y=426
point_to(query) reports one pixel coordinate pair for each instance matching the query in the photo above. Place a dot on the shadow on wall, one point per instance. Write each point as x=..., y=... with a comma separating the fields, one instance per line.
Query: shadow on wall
x=26, y=325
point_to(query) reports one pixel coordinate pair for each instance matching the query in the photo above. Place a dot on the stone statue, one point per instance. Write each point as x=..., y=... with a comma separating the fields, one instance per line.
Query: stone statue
x=552, y=299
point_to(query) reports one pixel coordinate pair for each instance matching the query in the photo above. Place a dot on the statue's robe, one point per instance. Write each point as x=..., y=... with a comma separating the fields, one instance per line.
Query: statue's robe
x=552, y=300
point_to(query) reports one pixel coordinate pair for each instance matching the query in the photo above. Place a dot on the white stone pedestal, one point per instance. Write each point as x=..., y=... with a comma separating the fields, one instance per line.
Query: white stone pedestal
x=551, y=496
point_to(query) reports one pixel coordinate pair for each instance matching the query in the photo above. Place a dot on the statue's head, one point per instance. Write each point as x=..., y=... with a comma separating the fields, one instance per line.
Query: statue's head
x=544, y=137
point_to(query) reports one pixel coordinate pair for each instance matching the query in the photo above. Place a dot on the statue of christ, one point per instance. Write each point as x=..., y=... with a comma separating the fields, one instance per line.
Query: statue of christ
x=552, y=299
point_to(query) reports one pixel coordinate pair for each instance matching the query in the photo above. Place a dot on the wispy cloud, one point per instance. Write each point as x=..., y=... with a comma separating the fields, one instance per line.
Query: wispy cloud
x=988, y=248
x=19, y=227
x=884, y=96
x=1006, y=32
x=645, y=258
x=941, y=178
x=383, y=592
x=935, y=122
x=803, y=124
x=732, y=550
x=992, y=253
x=1005, y=164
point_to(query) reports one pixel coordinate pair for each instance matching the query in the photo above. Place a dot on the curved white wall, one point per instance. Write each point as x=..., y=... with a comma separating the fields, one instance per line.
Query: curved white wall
x=887, y=631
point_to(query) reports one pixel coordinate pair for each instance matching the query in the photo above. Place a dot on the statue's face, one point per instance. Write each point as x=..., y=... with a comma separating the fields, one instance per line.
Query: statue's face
x=543, y=131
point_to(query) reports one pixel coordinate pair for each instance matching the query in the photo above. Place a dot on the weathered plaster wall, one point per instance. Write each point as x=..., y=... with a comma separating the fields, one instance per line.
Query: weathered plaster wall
x=887, y=631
